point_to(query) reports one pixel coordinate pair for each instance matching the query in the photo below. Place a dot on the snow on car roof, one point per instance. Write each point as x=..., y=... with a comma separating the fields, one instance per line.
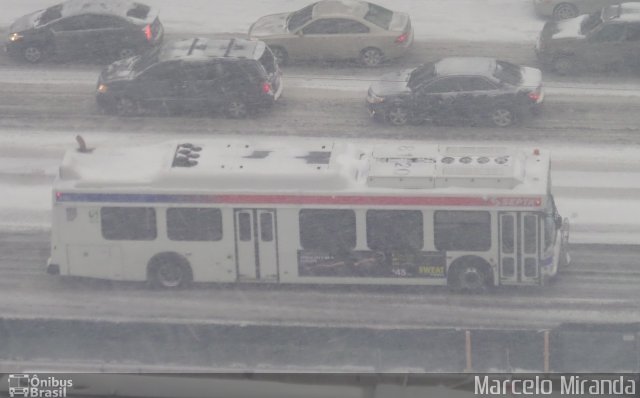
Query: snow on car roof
x=466, y=66
x=199, y=48
x=341, y=7
x=121, y=8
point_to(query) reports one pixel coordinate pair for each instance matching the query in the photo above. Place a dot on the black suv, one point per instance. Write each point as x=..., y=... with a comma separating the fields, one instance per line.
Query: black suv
x=457, y=88
x=85, y=29
x=235, y=76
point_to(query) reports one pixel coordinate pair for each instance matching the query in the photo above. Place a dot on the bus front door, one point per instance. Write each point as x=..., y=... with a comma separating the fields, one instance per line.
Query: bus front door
x=256, y=244
x=519, y=248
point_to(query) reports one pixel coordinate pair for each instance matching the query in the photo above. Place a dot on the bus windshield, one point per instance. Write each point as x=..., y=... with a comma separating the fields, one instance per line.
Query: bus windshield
x=550, y=226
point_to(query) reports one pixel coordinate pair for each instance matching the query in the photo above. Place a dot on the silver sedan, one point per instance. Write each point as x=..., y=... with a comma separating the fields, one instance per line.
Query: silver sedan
x=334, y=30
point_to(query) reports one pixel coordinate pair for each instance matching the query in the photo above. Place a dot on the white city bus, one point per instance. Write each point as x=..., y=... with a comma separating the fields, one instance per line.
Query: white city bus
x=307, y=211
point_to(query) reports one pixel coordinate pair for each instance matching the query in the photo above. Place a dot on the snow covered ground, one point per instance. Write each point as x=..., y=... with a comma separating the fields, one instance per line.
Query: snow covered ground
x=597, y=188
x=473, y=20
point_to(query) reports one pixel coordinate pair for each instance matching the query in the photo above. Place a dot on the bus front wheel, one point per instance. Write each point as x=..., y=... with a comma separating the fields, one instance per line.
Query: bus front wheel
x=169, y=271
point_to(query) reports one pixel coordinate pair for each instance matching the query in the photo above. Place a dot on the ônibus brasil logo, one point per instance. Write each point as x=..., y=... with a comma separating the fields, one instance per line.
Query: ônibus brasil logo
x=32, y=386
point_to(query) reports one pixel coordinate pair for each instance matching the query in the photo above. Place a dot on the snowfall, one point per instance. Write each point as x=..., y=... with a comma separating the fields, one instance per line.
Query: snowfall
x=596, y=187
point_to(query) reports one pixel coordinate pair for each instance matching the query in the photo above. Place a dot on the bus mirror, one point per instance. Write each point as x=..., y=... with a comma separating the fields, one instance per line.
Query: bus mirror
x=558, y=221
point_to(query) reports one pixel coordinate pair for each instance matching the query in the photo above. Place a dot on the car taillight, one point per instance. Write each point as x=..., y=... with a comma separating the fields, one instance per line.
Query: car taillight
x=266, y=87
x=147, y=32
x=402, y=38
x=534, y=95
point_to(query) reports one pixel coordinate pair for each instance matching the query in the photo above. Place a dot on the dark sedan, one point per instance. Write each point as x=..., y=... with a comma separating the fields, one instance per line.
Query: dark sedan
x=85, y=29
x=457, y=88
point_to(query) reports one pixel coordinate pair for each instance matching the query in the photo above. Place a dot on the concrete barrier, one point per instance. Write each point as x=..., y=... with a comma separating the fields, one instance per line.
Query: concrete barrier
x=570, y=348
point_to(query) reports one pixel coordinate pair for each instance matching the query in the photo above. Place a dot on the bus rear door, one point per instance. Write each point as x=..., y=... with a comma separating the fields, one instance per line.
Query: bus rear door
x=519, y=248
x=256, y=244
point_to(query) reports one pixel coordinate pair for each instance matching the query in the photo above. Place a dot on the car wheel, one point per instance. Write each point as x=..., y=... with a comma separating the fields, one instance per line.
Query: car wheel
x=565, y=11
x=32, y=54
x=564, y=65
x=280, y=55
x=502, y=116
x=126, y=53
x=126, y=106
x=371, y=57
x=398, y=115
x=236, y=109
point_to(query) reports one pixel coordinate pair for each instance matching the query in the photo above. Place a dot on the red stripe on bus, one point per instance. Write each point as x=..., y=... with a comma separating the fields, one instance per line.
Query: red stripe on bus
x=532, y=201
x=380, y=200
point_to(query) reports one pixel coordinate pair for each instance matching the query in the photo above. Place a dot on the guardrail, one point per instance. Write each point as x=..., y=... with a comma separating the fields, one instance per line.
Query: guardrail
x=568, y=348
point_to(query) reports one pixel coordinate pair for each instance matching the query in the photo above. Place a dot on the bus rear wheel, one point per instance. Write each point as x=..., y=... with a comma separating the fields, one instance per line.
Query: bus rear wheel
x=470, y=276
x=169, y=271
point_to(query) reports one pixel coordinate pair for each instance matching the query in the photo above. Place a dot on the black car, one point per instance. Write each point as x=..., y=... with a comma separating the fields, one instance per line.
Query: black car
x=457, y=88
x=234, y=76
x=85, y=29
x=606, y=40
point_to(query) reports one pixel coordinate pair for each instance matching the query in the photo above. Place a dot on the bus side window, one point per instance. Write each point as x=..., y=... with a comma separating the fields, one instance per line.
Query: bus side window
x=266, y=227
x=530, y=234
x=333, y=231
x=128, y=223
x=244, y=227
x=395, y=230
x=507, y=232
x=462, y=230
x=193, y=224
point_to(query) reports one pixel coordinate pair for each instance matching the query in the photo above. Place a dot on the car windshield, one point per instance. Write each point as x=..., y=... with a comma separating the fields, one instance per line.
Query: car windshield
x=507, y=72
x=297, y=19
x=49, y=15
x=610, y=12
x=268, y=60
x=591, y=22
x=379, y=16
x=420, y=75
x=146, y=60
